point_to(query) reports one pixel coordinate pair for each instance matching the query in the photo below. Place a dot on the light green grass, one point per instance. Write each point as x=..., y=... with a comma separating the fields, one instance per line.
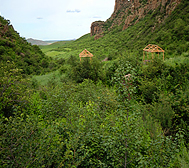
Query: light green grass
x=44, y=79
x=55, y=54
x=54, y=51
x=54, y=45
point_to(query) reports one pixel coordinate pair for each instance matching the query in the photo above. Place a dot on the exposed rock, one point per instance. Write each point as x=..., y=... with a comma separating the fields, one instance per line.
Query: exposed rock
x=128, y=20
x=22, y=54
x=97, y=28
x=104, y=60
x=171, y=6
x=129, y=12
x=98, y=36
x=5, y=29
x=119, y=4
x=126, y=11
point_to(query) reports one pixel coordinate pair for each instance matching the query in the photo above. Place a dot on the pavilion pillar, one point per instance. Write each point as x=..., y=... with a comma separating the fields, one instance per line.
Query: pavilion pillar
x=143, y=56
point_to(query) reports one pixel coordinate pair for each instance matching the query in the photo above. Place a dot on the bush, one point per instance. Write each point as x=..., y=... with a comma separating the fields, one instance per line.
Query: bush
x=85, y=69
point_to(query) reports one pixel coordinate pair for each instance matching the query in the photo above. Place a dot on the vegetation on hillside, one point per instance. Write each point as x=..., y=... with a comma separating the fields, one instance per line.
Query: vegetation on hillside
x=171, y=35
x=117, y=113
x=14, y=48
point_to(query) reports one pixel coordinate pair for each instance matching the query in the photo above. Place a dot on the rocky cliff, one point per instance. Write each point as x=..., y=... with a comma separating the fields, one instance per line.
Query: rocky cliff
x=97, y=29
x=129, y=12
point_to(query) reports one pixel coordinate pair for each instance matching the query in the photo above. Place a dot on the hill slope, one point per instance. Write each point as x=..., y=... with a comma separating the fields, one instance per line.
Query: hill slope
x=171, y=34
x=15, y=48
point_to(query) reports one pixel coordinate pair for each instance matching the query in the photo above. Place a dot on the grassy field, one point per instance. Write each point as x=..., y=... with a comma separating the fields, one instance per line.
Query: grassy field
x=52, y=50
x=49, y=78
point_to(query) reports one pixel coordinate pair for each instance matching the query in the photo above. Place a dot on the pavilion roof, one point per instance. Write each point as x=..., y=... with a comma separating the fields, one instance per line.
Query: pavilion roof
x=153, y=48
x=85, y=53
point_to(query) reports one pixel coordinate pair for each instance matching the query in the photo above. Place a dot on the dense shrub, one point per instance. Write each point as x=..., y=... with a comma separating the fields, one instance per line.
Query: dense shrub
x=86, y=69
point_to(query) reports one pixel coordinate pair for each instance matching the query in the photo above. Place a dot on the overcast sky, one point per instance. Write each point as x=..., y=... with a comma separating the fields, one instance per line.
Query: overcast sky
x=55, y=19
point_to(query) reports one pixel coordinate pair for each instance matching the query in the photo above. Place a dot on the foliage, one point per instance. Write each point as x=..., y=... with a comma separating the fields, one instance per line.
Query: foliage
x=124, y=80
x=86, y=69
x=28, y=143
x=76, y=130
x=13, y=89
x=184, y=158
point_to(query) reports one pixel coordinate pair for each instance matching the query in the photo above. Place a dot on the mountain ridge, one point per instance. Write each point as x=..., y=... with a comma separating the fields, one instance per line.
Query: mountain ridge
x=38, y=42
x=43, y=42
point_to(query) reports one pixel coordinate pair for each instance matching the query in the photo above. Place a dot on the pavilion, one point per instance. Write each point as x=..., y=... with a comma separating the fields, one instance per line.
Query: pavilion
x=153, y=49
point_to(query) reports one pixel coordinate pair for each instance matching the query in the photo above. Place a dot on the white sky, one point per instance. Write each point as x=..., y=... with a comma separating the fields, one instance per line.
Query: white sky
x=55, y=19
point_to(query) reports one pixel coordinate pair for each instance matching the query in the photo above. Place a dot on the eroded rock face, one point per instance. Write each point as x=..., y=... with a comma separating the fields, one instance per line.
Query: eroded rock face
x=120, y=3
x=97, y=28
x=129, y=11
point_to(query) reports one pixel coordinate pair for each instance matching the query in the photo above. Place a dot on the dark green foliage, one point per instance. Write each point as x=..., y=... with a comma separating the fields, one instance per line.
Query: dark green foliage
x=86, y=69
x=13, y=90
x=29, y=143
x=166, y=89
x=83, y=126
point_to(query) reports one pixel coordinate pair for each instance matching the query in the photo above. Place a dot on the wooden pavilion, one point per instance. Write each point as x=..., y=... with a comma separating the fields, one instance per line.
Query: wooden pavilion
x=85, y=53
x=153, y=49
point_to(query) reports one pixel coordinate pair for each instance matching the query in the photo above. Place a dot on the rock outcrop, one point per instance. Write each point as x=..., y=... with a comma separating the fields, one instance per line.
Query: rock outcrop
x=97, y=28
x=5, y=28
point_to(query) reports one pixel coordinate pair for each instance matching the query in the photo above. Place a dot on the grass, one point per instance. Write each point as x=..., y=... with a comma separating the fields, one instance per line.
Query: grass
x=54, y=51
x=50, y=77
x=55, y=54
x=54, y=46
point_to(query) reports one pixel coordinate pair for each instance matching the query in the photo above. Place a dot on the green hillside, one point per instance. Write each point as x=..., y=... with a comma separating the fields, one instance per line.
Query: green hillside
x=171, y=35
x=14, y=48
x=121, y=112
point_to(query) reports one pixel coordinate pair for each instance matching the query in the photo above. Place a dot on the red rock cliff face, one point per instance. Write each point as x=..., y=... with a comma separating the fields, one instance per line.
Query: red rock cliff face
x=129, y=12
x=97, y=29
x=126, y=12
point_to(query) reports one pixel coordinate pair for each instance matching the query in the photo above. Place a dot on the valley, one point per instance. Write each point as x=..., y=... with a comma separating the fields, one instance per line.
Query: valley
x=113, y=110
